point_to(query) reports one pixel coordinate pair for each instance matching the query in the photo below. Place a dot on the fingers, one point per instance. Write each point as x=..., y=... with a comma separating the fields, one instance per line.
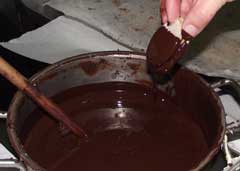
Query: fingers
x=196, y=13
x=169, y=10
x=186, y=5
x=163, y=12
x=173, y=9
x=200, y=15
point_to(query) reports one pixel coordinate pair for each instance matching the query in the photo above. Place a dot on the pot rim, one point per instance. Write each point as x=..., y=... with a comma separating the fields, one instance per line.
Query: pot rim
x=25, y=158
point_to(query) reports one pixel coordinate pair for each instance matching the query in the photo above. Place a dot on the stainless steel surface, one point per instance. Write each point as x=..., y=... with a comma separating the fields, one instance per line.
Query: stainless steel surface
x=233, y=128
x=235, y=87
x=235, y=166
x=11, y=164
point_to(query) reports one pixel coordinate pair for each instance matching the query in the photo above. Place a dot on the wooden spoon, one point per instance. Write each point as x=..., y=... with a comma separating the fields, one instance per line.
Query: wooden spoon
x=10, y=73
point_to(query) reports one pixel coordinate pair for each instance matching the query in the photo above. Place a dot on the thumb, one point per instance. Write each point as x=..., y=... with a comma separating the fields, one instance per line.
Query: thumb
x=200, y=15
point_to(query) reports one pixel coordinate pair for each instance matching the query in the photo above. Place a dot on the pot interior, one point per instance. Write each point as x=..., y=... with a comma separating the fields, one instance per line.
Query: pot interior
x=113, y=99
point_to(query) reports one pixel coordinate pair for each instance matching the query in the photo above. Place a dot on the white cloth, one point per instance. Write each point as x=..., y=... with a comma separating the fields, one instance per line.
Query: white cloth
x=5, y=154
x=59, y=39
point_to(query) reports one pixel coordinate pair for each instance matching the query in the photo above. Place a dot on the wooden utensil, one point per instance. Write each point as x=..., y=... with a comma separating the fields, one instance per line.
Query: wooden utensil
x=11, y=74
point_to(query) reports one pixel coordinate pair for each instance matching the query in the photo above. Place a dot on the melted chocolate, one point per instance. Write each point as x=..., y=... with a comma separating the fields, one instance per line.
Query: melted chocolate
x=164, y=50
x=131, y=127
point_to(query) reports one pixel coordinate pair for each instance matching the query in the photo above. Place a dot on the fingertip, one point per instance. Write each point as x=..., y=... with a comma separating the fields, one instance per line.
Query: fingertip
x=191, y=29
x=173, y=10
x=164, y=19
x=200, y=15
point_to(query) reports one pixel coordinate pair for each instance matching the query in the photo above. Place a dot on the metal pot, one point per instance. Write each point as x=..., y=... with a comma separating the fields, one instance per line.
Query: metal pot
x=192, y=93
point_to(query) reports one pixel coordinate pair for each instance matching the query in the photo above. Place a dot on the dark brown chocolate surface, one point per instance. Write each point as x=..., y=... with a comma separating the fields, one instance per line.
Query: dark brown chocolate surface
x=130, y=127
x=164, y=50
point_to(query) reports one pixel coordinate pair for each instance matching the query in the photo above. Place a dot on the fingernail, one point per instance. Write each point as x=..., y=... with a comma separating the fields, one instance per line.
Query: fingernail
x=191, y=29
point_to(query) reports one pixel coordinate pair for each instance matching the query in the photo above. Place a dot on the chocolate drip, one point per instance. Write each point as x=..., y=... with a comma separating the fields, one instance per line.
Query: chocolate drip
x=164, y=50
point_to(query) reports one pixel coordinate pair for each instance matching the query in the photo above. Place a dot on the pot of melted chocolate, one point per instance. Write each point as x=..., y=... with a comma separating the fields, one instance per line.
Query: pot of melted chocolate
x=132, y=125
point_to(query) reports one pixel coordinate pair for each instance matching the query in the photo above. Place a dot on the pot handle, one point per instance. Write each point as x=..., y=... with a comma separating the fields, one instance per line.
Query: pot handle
x=12, y=163
x=234, y=87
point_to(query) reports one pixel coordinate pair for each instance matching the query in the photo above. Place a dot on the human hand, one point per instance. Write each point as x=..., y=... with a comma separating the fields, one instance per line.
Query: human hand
x=196, y=13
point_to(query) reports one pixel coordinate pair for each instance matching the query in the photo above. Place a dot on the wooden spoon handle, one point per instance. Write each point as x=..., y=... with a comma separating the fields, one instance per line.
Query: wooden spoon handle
x=24, y=85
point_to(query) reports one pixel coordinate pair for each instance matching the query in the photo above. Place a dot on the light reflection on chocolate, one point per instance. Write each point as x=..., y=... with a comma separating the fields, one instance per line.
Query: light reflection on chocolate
x=147, y=132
